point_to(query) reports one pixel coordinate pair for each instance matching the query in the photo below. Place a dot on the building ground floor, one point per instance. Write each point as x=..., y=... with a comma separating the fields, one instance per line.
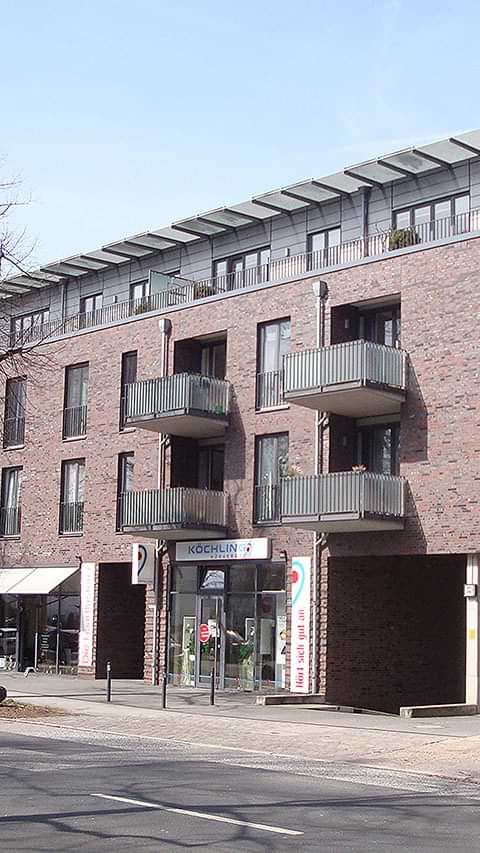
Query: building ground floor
x=389, y=631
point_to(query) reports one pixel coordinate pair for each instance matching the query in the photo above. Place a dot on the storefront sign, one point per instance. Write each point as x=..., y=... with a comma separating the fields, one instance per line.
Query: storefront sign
x=87, y=602
x=300, y=649
x=143, y=563
x=223, y=549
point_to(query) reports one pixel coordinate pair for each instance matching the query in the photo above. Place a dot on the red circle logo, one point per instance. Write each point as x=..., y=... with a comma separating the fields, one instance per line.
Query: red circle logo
x=294, y=576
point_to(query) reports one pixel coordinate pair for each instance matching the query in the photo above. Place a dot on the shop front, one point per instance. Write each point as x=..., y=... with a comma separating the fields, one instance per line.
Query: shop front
x=40, y=619
x=228, y=615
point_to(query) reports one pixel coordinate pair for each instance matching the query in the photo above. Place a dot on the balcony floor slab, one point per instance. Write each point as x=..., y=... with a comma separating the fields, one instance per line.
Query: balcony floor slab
x=351, y=400
x=182, y=424
x=177, y=534
x=344, y=523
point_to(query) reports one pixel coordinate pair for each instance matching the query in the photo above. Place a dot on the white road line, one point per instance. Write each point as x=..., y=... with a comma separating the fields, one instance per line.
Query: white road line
x=202, y=815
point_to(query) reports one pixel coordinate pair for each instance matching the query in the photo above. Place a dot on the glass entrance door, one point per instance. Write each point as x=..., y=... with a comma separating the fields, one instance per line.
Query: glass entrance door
x=210, y=653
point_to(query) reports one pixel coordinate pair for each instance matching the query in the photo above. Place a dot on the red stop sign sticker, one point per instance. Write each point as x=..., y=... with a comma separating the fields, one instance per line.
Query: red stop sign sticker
x=203, y=632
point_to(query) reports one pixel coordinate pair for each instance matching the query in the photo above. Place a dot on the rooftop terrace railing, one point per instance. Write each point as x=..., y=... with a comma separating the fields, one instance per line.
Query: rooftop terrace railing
x=177, y=291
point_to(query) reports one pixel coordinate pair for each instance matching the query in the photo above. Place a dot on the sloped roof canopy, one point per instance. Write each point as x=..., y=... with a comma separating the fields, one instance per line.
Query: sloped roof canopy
x=396, y=166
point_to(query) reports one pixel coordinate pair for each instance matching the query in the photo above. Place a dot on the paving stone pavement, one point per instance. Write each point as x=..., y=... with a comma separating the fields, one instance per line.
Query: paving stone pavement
x=440, y=747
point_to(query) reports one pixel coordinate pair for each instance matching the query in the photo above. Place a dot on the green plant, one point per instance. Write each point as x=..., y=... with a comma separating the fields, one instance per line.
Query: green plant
x=402, y=237
x=202, y=289
x=245, y=652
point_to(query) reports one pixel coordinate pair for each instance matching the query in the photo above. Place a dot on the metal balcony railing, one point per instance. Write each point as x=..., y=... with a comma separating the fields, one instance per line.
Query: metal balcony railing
x=71, y=517
x=178, y=291
x=10, y=520
x=74, y=421
x=269, y=389
x=179, y=393
x=175, y=507
x=354, y=361
x=267, y=504
x=14, y=432
x=344, y=493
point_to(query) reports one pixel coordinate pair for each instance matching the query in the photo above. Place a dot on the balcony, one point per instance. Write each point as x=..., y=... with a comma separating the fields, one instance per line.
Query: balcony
x=346, y=502
x=13, y=432
x=10, y=520
x=177, y=513
x=269, y=390
x=182, y=404
x=74, y=422
x=71, y=517
x=356, y=379
x=175, y=291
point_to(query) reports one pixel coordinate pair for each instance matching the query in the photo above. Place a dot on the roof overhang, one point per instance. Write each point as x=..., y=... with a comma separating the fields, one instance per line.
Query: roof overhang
x=378, y=173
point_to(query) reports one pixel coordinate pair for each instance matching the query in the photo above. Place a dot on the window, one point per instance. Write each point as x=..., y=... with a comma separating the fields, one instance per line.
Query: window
x=273, y=342
x=128, y=376
x=242, y=270
x=381, y=326
x=76, y=398
x=126, y=463
x=14, y=417
x=378, y=448
x=140, y=290
x=210, y=468
x=72, y=496
x=435, y=220
x=91, y=303
x=28, y=327
x=213, y=359
x=11, y=509
x=323, y=248
x=271, y=463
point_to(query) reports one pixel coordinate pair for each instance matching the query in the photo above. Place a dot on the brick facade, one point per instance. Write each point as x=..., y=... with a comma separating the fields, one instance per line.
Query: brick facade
x=440, y=436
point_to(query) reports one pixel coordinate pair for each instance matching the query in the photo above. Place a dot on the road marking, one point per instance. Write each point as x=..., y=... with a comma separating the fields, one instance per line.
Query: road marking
x=203, y=815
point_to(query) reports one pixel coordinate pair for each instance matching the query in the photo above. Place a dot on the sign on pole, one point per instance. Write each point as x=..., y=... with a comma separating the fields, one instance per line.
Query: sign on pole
x=300, y=647
x=143, y=563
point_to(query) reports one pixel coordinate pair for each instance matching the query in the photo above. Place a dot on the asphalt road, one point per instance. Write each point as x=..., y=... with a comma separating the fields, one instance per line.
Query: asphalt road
x=69, y=791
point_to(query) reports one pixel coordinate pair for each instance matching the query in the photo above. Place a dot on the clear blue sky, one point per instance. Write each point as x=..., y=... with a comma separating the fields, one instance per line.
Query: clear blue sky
x=123, y=116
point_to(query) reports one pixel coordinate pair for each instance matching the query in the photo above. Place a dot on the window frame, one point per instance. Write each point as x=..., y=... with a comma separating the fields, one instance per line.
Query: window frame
x=144, y=283
x=122, y=466
x=15, y=335
x=83, y=416
x=231, y=273
x=80, y=462
x=20, y=405
x=7, y=473
x=123, y=383
x=259, y=439
x=410, y=209
x=94, y=296
x=276, y=388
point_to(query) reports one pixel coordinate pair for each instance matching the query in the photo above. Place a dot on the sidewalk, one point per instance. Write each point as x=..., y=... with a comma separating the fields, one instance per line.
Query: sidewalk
x=448, y=747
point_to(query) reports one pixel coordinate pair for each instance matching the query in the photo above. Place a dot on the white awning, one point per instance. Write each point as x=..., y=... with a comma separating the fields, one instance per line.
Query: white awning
x=33, y=581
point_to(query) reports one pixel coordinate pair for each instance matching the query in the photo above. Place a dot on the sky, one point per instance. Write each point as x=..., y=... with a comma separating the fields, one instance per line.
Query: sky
x=119, y=117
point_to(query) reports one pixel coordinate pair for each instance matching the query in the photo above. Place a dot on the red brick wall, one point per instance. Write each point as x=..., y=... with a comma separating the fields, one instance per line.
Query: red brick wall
x=396, y=631
x=440, y=438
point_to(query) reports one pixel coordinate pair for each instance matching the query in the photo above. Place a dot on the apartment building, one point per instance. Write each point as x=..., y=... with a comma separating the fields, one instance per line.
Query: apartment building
x=279, y=402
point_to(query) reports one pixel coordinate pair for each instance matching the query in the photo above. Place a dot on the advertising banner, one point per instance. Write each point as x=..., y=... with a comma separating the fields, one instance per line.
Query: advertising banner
x=300, y=646
x=87, y=603
x=143, y=563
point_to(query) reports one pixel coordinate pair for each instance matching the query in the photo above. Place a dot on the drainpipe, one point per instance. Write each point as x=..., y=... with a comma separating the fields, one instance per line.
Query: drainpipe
x=165, y=328
x=320, y=292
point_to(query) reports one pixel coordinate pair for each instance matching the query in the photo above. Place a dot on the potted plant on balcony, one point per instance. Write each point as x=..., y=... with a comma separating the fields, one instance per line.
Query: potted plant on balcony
x=202, y=289
x=359, y=469
x=400, y=238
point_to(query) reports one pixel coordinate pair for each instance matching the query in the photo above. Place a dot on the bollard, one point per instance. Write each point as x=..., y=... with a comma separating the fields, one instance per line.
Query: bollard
x=212, y=687
x=164, y=690
x=109, y=681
